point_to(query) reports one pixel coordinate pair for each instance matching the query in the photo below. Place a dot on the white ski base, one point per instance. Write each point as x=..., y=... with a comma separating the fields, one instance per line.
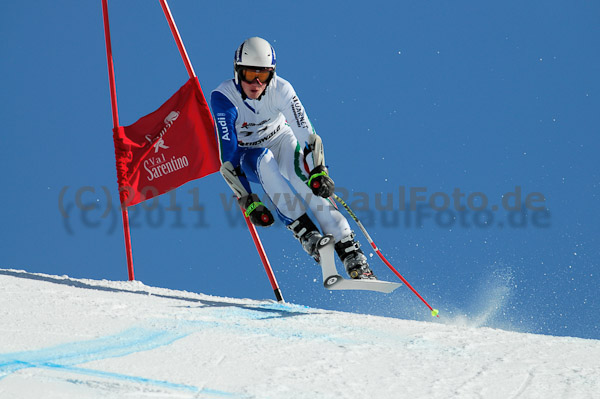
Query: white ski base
x=333, y=281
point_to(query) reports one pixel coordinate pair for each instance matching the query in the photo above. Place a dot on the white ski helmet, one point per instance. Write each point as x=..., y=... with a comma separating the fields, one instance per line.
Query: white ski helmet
x=256, y=52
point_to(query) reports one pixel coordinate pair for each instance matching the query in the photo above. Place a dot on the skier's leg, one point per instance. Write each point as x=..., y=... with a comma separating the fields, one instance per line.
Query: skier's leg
x=331, y=220
x=260, y=166
x=291, y=163
x=307, y=233
x=353, y=258
x=347, y=248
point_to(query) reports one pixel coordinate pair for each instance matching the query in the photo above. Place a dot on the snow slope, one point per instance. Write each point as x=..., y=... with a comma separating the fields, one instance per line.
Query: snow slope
x=72, y=338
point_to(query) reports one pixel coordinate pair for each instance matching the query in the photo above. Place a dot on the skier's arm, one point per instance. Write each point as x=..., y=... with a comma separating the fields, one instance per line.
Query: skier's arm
x=232, y=179
x=291, y=107
x=225, y=115
x=315, y=145
x=319, y=181
x=258, y=213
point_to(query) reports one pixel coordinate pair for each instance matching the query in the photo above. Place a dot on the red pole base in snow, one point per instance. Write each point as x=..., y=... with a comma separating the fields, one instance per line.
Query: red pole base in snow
x=128, y=244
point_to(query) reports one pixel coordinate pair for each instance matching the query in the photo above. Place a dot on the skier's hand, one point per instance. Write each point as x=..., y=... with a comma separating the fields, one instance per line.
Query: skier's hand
x=320, y=183
x=256, y=211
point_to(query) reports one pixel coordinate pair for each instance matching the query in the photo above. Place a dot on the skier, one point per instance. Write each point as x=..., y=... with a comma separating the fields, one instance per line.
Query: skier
x=265, y=137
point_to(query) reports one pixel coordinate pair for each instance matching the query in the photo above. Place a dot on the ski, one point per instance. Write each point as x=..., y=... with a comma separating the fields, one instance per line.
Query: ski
x=333, y=281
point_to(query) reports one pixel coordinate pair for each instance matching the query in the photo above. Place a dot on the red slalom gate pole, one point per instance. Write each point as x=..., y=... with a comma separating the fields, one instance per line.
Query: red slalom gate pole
x=264, y=259
x=115, y=118
x=177, y=37
x=434, y=312
x=251, y=228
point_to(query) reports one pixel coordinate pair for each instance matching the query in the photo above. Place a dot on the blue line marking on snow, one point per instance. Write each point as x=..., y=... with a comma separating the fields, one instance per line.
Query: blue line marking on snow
x=66, y=357
x=164, y=384
x=255, y=319
x=128, y=342
x=117, y=376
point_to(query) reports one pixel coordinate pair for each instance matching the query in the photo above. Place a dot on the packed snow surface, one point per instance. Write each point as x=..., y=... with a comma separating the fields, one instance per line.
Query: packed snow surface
x=71, y=338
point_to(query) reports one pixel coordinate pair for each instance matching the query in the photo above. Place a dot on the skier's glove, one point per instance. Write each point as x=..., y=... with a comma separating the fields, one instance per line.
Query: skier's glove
x=320, y=183
x=255, y=210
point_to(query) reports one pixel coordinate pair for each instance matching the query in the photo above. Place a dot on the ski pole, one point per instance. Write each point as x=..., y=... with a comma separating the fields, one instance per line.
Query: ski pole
x=434, y=312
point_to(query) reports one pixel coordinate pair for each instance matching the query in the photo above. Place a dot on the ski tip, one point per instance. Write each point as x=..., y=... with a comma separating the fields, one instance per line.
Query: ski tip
x=435, y=313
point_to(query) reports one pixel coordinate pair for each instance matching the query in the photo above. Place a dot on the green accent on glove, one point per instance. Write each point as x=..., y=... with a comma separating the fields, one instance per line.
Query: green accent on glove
x=252, y=207
x=316, y=175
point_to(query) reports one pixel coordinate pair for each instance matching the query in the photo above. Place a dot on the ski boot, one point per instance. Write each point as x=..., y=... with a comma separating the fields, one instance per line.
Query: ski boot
x=353, y=258
x=308, y=234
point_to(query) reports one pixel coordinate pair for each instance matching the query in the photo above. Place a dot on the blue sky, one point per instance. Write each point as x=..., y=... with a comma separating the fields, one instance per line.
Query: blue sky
x=483, y=98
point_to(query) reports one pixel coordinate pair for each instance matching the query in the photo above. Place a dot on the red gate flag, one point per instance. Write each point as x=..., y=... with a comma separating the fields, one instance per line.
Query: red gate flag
x=167, y=148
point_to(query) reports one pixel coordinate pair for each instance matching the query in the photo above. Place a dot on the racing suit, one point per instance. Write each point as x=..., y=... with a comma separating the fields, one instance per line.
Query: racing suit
x=266, y=139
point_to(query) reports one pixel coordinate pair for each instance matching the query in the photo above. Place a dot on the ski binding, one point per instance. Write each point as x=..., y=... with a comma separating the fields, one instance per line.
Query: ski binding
x=333, y=281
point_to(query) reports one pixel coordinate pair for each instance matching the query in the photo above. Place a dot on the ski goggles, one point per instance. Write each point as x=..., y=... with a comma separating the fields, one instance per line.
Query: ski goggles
x=250, y=75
